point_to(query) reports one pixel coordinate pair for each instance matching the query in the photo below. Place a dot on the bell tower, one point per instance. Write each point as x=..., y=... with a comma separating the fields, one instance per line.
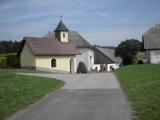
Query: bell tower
x=61, y=32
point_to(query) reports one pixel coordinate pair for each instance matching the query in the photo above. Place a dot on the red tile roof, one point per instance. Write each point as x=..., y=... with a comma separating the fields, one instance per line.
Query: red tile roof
x=50, y=46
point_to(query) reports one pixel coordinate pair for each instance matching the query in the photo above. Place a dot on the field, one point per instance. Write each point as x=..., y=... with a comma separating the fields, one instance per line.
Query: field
x=18, y=91
x=141, y=83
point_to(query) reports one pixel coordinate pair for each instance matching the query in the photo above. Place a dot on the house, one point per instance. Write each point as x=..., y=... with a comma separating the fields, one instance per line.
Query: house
x=151, y=42
x=58, y=51
x=105, y=59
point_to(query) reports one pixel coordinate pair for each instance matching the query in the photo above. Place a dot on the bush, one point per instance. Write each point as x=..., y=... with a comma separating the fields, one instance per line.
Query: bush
x=3, y=62
x=13, y=61
x=81, y=68
x=140, y=62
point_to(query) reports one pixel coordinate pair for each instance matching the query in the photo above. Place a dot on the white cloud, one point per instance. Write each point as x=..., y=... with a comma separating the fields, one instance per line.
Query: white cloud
x=7, y=7
x=55, y=8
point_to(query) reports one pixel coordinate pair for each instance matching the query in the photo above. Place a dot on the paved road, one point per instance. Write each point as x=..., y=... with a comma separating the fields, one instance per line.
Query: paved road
x=84, y=97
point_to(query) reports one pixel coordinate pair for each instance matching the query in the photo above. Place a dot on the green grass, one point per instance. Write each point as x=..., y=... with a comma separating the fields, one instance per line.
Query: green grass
x=8, y=54
x=25, y=71
x=18, y=91
x=141, y=83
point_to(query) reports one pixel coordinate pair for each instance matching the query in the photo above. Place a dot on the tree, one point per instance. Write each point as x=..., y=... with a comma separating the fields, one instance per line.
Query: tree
x=81, y=68
x=9, y=46
x=127, y=50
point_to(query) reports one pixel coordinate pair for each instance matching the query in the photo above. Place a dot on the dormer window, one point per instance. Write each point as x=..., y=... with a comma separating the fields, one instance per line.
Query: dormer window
x=63, y=35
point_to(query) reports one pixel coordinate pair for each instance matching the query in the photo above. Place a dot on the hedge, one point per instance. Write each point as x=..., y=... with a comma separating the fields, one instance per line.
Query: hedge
x=13, y=61
x=9, y=61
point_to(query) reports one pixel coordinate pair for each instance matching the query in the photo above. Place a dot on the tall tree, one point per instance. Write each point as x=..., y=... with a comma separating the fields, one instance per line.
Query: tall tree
x=127, y=50
x=9, y=46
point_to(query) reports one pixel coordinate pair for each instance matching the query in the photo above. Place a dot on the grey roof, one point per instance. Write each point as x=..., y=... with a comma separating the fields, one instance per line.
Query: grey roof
x=110, y=53
x=74, y=37
x=151, y=38
x=61, y=27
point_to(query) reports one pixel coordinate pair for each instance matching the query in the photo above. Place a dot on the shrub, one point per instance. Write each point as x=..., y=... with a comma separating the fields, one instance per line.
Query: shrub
x=140, y=62
x=81, y=68
x=13, y=61
x=3, y=62
x=9, y=61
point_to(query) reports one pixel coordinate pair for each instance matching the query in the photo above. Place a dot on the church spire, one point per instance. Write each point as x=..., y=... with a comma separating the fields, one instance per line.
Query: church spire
x=61, y=32
x=61, y=27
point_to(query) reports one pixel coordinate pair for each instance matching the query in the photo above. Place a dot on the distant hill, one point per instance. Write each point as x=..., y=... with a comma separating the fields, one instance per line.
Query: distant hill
x=110, y=47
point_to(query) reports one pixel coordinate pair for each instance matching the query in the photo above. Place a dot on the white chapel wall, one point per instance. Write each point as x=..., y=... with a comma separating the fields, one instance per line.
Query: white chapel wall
x=87, y=56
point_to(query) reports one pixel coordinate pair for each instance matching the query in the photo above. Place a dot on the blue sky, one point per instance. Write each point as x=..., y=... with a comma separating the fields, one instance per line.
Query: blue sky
x=102, y=22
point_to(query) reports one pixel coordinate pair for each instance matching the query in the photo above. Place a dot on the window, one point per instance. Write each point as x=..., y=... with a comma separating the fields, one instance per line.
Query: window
x=53, y=63
x=63, y=35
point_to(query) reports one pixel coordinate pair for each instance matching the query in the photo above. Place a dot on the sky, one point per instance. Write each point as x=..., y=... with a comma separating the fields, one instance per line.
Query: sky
x=101, y=22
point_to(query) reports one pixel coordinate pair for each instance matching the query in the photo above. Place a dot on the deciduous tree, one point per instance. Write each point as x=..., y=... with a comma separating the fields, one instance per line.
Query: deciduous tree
x=127, y=50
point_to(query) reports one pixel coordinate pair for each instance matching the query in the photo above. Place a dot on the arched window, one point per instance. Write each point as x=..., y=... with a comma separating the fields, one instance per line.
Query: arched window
x=53, y=63
x=63, y=35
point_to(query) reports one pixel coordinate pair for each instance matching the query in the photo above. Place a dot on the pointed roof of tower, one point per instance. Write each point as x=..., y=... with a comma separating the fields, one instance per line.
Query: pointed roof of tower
x=61, y=27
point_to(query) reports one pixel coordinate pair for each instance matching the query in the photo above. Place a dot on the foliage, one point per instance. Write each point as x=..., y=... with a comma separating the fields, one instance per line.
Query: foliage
x=9, y=61
x=18, y=91
x=140, y=62
x=141, y=83
x=13, y=61
x=81, y=68
x=3, y=62
x=127, y=50
x=6, y=50
x=140, y=56
x=9, y=46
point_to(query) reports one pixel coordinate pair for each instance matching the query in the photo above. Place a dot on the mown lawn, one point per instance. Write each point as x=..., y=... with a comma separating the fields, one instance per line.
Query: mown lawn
x=141, y=83
x=25, y=71
x=18, y=91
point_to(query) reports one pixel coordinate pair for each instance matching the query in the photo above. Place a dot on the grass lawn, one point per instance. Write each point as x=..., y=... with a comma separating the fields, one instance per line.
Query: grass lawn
x=141, y=83
x=18, y=91
x=26, y=71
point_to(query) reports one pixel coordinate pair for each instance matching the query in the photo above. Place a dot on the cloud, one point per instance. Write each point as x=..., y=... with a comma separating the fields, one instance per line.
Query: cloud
x=36, y=29
x=7, y=7
x=24, y=17
x=47, y=8
x=101, y=21
x=58, y=2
